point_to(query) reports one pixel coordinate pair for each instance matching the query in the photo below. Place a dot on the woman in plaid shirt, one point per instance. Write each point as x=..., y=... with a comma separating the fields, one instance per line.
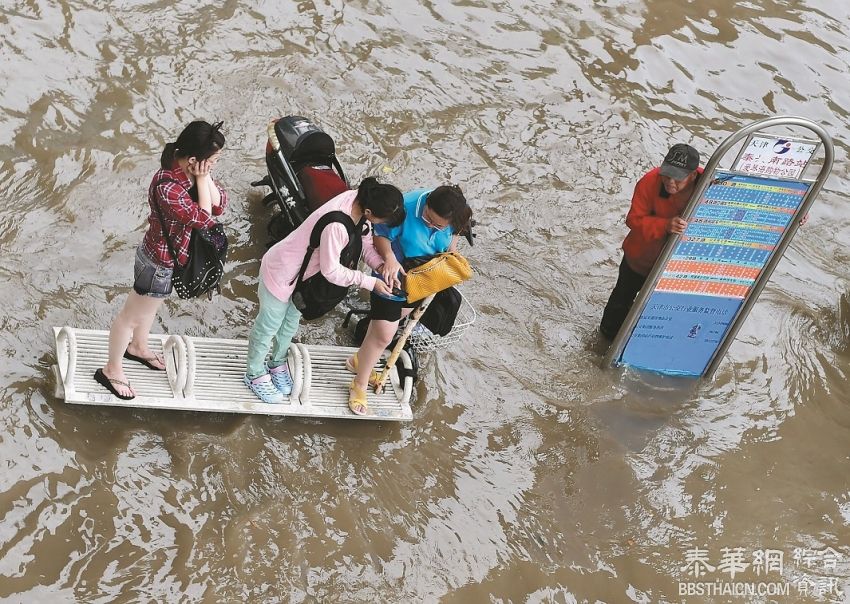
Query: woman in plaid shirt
x=188, y=198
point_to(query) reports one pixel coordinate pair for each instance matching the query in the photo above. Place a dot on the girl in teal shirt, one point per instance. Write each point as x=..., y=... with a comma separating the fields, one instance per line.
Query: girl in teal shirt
x=433, y=221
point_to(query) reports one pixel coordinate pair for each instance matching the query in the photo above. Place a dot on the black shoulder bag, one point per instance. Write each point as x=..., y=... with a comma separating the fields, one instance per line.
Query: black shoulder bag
x=316, y=296
x=207, y=251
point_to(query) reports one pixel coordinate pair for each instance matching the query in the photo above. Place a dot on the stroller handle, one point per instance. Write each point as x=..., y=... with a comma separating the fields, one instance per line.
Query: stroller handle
x=272, y=136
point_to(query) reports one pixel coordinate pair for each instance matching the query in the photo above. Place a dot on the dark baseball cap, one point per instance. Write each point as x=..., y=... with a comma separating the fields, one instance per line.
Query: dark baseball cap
x=680, y=161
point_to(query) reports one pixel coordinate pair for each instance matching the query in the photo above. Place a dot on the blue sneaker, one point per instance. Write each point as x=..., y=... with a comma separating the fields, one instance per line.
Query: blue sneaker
x=264, y=388
x=281, y=378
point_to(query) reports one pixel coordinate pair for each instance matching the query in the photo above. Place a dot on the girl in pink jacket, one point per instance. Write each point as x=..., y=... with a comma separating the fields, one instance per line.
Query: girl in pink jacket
x=278, y=318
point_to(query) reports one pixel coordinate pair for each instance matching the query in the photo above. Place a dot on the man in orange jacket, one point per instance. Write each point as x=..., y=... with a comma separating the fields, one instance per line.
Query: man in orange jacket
x=656, y=211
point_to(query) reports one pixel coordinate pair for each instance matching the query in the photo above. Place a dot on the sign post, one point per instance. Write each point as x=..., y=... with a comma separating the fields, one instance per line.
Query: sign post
x=705, y=282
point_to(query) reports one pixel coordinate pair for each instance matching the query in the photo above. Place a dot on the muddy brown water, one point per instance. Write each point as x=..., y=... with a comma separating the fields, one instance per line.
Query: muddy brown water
x=528, y=473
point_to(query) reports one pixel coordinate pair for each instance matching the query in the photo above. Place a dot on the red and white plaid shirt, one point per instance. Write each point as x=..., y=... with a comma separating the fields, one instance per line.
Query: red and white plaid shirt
x=170, y=190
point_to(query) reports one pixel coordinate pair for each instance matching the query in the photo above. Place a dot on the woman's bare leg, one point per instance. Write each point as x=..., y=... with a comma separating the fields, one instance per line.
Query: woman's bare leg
x=135, y=317
x=141, y=332
x=378, y=337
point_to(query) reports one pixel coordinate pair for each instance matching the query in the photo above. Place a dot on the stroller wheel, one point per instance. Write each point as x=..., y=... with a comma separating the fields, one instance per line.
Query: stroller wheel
x=270, y=199
x=279, y=227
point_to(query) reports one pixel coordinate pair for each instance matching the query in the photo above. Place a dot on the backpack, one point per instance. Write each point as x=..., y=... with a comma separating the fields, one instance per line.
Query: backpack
x=316, y=296
x=207, y=252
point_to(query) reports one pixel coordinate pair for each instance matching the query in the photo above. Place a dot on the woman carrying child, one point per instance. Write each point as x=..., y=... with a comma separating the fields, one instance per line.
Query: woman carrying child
x=278, y=318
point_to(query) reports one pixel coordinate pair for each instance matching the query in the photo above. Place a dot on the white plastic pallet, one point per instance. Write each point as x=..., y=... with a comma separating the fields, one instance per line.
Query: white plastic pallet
x=205, y=374
x=325, y=387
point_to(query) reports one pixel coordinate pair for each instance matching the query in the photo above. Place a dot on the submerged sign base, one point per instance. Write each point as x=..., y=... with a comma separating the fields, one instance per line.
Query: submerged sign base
x=677, y=335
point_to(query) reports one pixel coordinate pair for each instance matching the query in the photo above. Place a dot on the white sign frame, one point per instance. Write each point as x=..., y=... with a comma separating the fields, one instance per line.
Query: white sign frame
x=775, y=156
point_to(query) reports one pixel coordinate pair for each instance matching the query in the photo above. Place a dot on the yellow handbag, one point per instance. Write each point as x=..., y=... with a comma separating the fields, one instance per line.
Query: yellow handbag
x=439, y=273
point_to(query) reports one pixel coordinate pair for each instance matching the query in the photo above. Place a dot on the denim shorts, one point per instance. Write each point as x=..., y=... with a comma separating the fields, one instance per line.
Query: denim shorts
x=150, y=278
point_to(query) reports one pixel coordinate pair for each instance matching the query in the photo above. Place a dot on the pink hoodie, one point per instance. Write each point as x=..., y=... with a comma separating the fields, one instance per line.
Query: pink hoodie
x=282, y=262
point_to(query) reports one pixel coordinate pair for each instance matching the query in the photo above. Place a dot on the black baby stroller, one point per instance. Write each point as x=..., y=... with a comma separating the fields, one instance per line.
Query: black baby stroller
x=303, y=173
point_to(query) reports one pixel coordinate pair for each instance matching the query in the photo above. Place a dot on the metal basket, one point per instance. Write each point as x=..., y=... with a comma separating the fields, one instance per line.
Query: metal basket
x=422, y=340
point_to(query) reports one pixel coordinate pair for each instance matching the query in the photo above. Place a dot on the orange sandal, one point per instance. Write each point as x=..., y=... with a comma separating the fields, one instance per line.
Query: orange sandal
x=351, y=365
x=357, y=401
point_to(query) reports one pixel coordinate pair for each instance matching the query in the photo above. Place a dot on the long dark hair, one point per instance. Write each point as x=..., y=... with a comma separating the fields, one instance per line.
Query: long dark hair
x=199, y=139
x=449, y=203
x=385, y=201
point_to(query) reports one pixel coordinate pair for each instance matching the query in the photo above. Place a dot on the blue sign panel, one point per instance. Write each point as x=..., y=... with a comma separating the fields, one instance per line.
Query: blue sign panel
x=677, y=334
x=732, y=234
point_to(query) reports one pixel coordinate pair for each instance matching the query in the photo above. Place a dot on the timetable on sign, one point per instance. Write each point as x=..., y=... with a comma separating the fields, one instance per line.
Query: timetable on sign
x=732, y=234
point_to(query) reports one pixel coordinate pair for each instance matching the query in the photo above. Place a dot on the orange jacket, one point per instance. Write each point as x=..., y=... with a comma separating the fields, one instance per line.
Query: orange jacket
x=651, y=210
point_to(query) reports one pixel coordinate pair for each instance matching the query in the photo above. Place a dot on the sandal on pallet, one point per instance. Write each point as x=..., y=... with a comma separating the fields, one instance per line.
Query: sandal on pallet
x=107, y=383
x=357, y=400
x=351, y=365
x=146, y=361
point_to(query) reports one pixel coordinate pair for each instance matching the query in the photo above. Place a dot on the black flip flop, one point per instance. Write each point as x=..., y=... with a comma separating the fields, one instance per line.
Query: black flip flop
x=146, y=362
x=104, y=381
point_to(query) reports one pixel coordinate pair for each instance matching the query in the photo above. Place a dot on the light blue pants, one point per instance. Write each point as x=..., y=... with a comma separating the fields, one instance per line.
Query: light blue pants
x=276, y=321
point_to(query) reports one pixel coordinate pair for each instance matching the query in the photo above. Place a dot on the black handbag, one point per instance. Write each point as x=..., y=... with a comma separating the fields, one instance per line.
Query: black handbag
x=316, y=296
x=441, y=313
x=207, y=252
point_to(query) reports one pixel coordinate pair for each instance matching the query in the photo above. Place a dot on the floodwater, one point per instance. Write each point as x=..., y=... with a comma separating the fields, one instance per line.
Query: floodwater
x=528, y=474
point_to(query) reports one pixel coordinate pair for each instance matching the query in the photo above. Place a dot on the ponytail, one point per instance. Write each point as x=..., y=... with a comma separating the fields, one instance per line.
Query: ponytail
x=449, y=202
x=385, y=201
x=166, y=160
